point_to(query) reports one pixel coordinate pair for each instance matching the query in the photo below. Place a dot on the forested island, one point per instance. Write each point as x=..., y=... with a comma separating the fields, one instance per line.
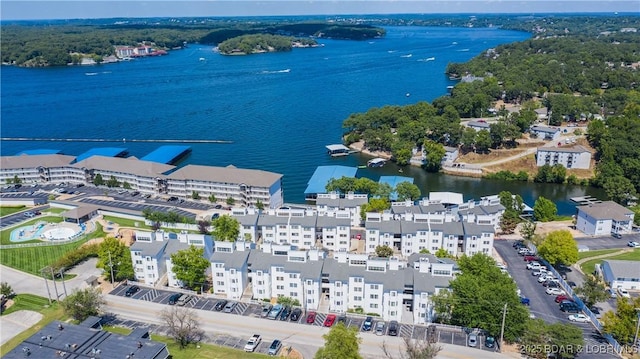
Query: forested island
x=59, y=43
x=255, y=44
x=587, y=77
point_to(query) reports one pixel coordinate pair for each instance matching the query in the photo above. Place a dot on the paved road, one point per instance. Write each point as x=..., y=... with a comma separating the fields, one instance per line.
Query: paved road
x=305, y=338
x=542, y=305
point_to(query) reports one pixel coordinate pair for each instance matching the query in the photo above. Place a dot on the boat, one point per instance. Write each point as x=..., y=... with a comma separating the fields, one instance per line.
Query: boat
x=202, y=59
x=409, y=55
x=376, y=162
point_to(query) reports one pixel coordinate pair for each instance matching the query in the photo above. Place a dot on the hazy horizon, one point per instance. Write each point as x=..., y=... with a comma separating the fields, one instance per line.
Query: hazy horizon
x=90, y=9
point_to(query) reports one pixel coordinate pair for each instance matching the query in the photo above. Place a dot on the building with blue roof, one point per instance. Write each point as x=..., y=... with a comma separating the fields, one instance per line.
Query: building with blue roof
x=40, y=151
x=103, y=151
x=393, y=181
x=322, y=176
x=168, y=155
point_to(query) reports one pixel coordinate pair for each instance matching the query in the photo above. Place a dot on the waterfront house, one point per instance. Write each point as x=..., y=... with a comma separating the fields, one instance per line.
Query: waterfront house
x=478, y=125
x=546, y=133
x=604, y=218
x=569, y=157
x=450, y=154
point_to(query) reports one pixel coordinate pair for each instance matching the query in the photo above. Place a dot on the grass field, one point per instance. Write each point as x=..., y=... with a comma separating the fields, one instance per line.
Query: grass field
x=5, y=235
x=37, y=304
x=7, y=210
x=588, y=254
x=33, y=259
x=589, y=266
x=123, y=222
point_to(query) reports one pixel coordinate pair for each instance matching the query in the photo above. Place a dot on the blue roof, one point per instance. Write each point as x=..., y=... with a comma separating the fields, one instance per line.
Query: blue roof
x=393, y=181
x=41, y=151
x=322, y=175
x=102, y=151
x=166, y=154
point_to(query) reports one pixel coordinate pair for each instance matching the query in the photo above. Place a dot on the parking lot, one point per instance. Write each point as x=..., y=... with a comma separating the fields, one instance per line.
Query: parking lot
x=541, y=304
x=443, y=334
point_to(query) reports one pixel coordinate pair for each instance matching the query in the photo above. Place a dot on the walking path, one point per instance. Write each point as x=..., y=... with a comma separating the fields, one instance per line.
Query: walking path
x=578, y=264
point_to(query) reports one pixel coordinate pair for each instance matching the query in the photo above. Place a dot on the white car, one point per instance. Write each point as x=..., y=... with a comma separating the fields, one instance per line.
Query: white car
x=546, y=277
x=623, y=293
x=252, y=343
x=633, y=244
x=533, y=265
x=580, y=318
x=555, y=291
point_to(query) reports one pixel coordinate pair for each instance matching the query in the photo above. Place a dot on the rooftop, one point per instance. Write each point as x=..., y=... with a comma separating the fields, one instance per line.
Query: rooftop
x=322, y=175
x=167, y=154
x=102, y=151
x=34, y=161
x=606, y=210
x=229, y=174
x=124, y=165
x=40, y=151
x=572, y=149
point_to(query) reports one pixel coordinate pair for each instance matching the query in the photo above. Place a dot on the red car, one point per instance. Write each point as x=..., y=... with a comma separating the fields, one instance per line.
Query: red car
x=311, y=317
x=562, y=297
x=358, y=236
x=530, y=258
x=331, y=318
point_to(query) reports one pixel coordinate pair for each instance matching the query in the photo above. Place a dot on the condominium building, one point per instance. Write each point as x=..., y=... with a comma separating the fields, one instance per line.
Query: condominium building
x=604, y=218
x=569, y=157
x=229, y=269
x=36, y=168
x=334, y=205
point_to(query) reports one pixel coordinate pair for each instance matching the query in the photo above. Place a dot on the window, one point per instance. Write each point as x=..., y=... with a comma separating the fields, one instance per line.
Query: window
x=279, y=269
x=293, y=275
x=358, y=280
x=373, y=286
x=219, y=274
x=357, y=298
x=293, y=285
x=279, y=278
x=373, y=296
x=220, y=282
x=373, y=305
x=280, y=287
x=357, y=289
x=219, y=265
x=293, y=294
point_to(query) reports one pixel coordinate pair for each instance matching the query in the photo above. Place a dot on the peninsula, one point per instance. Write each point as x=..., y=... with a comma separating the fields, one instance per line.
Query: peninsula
x=262, y=43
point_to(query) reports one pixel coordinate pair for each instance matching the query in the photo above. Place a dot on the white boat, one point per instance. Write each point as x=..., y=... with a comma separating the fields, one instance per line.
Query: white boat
x=376, y=162
x=202, y=59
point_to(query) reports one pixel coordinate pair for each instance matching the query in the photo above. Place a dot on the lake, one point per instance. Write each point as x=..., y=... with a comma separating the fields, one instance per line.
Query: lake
x=279, y=110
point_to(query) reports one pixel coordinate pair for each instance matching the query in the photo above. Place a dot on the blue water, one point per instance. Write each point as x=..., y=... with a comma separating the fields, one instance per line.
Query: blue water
x=279, y=109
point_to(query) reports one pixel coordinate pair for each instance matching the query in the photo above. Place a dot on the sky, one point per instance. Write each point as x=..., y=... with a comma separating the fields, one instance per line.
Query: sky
x=80, y=9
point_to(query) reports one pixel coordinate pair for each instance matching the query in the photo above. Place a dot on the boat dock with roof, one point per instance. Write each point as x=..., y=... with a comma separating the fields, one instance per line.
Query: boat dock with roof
x=168, y=155
x=322, y=176
x=338, y=150
x=376, y=162
x=584, y=200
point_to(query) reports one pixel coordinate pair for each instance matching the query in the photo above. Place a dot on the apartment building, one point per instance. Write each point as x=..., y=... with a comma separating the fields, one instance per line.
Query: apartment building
x=245, y=186
x=604, y=218
x=288, y=226
x=36, y=168
x=229, y=269
x=334, y=205
x=569, y=157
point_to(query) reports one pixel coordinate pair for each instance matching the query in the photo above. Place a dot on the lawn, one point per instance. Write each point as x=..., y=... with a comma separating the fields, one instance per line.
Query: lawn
x=33, y=259
x=206, y=351
x=124, y=222
x=6, y=210
x=589, y=266
x=588, y=254
x=5, y=235
x=37, y=304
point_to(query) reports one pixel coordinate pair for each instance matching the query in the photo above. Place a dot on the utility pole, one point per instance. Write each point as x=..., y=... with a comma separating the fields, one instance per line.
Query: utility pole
x=55, y=287
x=504, y=316
x=46, y=285
x=635, y=339
x=64, y=287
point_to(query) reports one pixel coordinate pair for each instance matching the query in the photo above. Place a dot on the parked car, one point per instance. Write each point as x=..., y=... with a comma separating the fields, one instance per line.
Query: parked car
x=29, y=214
x=544, y=278
x=596, y=312
x=230, y=307
x=393, y=328
x=183, y=300
x=518, y=243
x=343, y=319
x=551, y=283
x=538, y=271
x=616, y=235
x=489, y=341
x=173, y=299
x=296, y=313
x=562, y=297
x=380, y=328
x=132, y=290
x=472, y=341
x=524, y=300
x=220, y=305
x=252, y=343
x=570, y=307
x=534, y=265
x=612, y=293
x=633, y=244
x=284, y=314
x=275, y=347
x=311, y=317
x=329, y=320
x=530, y=258
x=555, y=291
x=265, y=310
x=275, y=312
x=580, y=318
x=368, y=324
x=623, y=293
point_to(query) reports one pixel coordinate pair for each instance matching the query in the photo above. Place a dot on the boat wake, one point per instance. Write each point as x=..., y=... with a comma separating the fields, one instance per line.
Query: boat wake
x=90, y=73
x=276, y=72
x=427, y=59
x=409, y=55
x=391, y=51
x=463, y=50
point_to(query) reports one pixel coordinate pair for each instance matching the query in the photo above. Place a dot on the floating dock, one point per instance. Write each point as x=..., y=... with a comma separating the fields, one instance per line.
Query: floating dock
x=338, y=150
x=39, y=151
x=322, y=176
x=103, y=151
x=585, y=200
x=167, y=154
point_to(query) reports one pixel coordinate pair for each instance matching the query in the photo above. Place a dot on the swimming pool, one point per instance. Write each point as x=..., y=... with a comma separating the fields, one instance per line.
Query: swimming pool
x=46, y=231
x=27, y=233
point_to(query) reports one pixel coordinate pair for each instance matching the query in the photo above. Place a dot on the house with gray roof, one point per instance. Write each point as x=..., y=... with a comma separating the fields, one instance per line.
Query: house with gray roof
x=147, y=260
x=571, y=157
x=621, y=274
x=478, y=125
x=544, y=132
x=245, y=186
x=604, y=218
x=66, y=340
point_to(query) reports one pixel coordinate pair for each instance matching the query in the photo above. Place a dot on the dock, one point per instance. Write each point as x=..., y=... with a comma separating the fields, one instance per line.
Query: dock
x=585, y=200
x=123, y=140
x=168, y=154
x=338, y=150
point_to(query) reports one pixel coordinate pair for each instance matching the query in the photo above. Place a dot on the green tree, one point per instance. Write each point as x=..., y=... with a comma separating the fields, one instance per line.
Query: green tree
x=384, y=251
x=203, y=226
x=443, y=253
x=621, y=322
x=113, y=182
x=126, y=185
x=6, y=290
x=114, y=254
x=514, y=206
x=374, y=205
x=407, y=191
x=212, y=198
x=434, y=154
x=195, y=195
x=483, y=141
x=544, y=210
x=528, y=230
x=559, y=247
x=259, y=205
x=97, y=180
x=190, y=267
x=479, y=295
x=592, y=291
x=83, y=303
x=341, y=342
x=230, y=201
x=568, y=336
x=619, y=189
x=292, y=302
x=539, y=335
x=226, y=228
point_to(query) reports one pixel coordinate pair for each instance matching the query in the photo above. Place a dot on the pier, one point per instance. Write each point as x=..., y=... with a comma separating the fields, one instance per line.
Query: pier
x=123, y=140
x=585, y=200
